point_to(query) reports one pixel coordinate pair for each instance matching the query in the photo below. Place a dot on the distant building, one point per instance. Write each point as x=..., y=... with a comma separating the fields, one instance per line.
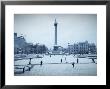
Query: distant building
x=82, y=48
x=19, y=43
x=92, y=48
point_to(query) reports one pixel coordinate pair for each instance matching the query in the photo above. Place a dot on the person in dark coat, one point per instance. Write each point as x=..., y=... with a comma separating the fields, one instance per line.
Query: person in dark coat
x=30, y=61
x=73, y=64
x=77, y=60
x=41, y=63
x=23, y=69
x=93, y=60
x=61, y=60
x=29, y=68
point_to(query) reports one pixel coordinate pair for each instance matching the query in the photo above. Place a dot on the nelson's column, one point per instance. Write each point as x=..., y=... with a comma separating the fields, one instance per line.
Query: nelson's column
x=55, y=44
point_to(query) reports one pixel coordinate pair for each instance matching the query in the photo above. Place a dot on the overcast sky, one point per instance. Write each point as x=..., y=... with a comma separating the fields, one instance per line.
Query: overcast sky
x=72, y=28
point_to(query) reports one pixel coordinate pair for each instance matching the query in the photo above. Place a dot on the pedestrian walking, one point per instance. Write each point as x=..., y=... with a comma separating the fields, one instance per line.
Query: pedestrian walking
x=73, y=64
x=61, y=60
x=77, y=60
x=93, y=60
x=23, y=69
x=30, y=61
x=29, y=68
x=41, y=63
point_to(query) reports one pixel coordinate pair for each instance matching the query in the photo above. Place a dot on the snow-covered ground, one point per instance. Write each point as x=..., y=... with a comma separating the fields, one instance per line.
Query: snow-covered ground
x=52, y=66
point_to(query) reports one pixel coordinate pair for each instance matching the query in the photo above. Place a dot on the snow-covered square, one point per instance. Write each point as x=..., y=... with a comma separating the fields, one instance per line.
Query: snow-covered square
x=55, y=65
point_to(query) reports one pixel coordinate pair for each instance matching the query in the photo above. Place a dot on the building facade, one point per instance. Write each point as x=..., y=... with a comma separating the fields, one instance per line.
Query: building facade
x=92, y=48
x=82, y=48
x=19, y=44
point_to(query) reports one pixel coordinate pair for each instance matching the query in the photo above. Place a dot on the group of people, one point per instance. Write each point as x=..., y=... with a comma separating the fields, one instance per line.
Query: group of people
x=41, y=62
x=72, y=63
x=31, y=59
